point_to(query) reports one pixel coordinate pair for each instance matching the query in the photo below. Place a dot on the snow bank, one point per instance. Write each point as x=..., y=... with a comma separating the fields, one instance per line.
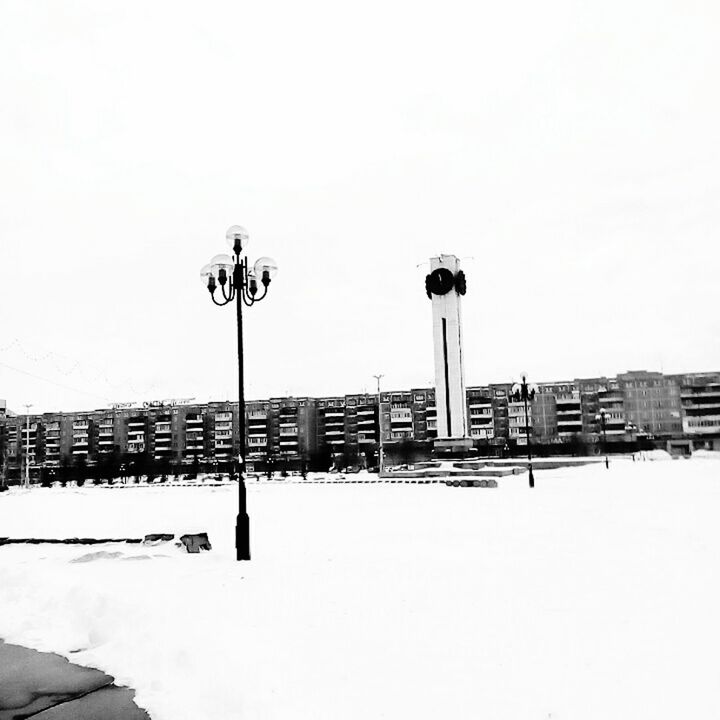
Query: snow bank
x=592, y=596
x=706, y=454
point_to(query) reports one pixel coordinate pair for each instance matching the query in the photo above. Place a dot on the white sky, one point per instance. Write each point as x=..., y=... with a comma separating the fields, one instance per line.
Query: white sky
x=571, y=149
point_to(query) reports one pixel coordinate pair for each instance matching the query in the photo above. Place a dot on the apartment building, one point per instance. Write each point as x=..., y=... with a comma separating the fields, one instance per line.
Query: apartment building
x=361, y=424
x=673, y=408
x=652, y=402
x=258, y=433
x=292, y=428
x=700, y=400
x=480, y=414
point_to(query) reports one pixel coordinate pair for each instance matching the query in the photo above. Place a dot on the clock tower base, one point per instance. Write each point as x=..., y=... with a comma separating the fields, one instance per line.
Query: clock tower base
x=453, y=448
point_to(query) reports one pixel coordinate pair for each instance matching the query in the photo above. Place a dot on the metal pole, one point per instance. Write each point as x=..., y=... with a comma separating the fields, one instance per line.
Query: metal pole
x=380, y=436
x=242, y=527
x=531, y=477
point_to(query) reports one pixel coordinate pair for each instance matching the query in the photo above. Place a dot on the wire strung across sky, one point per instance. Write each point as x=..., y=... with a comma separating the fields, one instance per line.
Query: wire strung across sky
x=67, y=366
x=53, y=382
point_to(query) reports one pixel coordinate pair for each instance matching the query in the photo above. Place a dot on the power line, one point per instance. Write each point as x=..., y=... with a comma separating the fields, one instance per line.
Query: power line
x=52, y=382
x=66, y=366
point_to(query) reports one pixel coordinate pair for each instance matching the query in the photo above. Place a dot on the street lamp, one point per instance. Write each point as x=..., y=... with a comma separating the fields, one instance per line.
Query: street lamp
x=239, y=283
x=380, y=436
x=601, y=417
x=526, y=392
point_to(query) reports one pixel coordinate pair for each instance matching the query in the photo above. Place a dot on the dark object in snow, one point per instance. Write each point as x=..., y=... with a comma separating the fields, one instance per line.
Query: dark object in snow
x=154, y=538
x=196, y=542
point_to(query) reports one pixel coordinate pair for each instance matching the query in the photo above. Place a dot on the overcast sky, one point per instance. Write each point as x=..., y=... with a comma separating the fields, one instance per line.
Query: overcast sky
x=569, y=151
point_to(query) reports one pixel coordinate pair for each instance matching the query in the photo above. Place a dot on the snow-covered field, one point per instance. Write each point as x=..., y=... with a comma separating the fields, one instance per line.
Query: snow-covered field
x=595, y=595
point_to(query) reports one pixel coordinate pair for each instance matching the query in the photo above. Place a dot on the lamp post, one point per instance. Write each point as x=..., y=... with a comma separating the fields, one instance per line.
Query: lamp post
x=380, y=436
x=602, y=418
x=526, y=392
x=239, y=283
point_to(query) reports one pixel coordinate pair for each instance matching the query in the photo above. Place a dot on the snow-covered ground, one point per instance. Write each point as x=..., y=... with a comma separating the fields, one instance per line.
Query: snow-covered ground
x=594, y=596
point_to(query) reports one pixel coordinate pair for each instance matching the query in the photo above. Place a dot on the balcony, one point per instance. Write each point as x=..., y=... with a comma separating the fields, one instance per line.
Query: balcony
x=334, y=413
x=399, y=414
x=334, y=432
x=569, y=428
x=194, y=421
x=475, y=424
x=223, y=417
x=687, y=395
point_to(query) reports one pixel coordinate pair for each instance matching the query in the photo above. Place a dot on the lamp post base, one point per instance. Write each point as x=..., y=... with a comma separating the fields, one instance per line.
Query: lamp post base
x=531, y=477
x=242, y=537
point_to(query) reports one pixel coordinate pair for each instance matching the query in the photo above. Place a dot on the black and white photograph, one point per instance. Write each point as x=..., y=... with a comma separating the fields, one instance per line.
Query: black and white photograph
x=359, y=361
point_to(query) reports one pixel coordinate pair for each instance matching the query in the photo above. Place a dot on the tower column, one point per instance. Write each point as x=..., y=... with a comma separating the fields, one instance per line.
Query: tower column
x=445, y=286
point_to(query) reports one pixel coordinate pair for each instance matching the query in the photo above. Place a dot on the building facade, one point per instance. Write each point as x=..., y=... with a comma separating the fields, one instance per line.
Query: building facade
x=292, y=432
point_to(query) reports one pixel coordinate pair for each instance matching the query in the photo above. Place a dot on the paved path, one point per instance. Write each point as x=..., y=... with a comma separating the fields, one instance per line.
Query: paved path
x=45, y=686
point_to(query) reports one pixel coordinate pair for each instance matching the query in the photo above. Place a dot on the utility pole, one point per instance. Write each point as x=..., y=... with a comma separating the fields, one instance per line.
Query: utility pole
x=27, y=407
x=380, y=435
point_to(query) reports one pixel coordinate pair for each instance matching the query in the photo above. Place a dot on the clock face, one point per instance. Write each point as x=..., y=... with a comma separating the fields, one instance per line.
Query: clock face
x=441, y=281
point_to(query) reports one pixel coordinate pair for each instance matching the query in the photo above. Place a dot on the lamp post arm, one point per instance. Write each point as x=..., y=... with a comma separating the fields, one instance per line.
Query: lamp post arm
x=247, y=299
x=219, y=304
x=228, y=297
x=258, y=298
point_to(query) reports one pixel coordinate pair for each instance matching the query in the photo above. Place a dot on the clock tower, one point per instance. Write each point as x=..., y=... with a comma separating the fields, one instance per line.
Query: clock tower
x=445, y=286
